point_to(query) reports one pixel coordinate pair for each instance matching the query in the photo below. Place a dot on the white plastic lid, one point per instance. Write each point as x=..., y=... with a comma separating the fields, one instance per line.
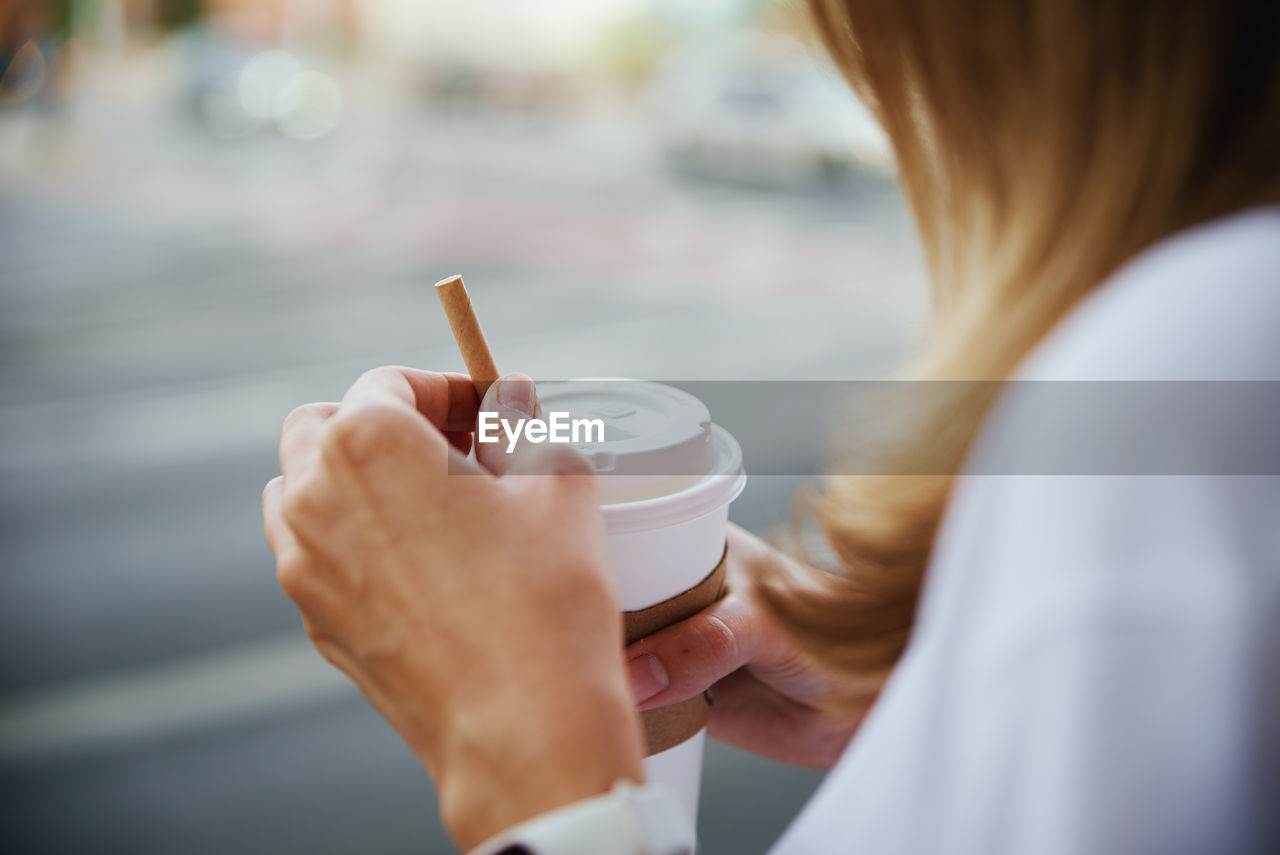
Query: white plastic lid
x=659, y=447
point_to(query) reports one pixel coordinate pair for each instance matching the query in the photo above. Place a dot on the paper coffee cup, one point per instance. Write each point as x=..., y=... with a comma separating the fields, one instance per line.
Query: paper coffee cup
x=667, y=474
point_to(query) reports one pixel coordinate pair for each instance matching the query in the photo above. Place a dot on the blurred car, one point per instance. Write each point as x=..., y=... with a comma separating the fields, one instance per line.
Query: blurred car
x=762, y=111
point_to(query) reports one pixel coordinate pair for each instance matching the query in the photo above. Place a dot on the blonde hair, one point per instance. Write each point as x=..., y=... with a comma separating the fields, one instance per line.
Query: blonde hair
x=1040, y=143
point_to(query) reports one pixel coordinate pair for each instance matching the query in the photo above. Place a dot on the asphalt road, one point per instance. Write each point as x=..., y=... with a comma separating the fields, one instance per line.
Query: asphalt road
x=164, y=301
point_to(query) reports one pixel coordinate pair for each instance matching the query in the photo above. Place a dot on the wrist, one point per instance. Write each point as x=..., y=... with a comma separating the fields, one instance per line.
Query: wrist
x=514, y=758
x=628, y=820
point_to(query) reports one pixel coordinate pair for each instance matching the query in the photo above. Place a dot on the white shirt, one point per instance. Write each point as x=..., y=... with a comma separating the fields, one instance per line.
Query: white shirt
x=1096, y=663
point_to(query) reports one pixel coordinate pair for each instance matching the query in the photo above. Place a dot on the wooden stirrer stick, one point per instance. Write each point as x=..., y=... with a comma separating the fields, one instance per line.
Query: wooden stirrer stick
x=467, y=332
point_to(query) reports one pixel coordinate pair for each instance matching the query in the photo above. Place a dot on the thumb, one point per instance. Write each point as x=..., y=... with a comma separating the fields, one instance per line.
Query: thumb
x=509, y=401
x=685, y=659
x=501, y=446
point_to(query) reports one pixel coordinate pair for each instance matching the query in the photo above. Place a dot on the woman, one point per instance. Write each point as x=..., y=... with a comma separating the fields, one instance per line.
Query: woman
x=1007, y=664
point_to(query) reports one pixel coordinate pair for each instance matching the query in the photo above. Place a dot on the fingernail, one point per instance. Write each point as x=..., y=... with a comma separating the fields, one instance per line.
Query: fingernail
x=518, y=395
x=648, y=677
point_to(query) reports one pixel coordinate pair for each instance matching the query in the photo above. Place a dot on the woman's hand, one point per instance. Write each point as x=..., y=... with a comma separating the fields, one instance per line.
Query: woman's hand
x=765, y=695
x=475, y=612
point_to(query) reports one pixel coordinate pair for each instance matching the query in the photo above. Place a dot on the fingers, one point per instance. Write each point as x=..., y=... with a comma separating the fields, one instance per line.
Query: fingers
x=744, y=707
x=685, y=659
x=272, y=523
x=295, y=565
x=448, y=401
x=284, y=544
x=756, y=718
x=380, y=422
x=301, y=434
x=461, y=440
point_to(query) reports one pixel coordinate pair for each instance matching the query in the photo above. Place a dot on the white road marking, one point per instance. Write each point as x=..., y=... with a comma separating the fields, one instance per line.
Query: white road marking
x=141, y=705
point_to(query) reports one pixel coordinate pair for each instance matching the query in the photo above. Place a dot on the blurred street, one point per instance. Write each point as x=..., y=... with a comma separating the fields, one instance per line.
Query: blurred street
x=166, y=298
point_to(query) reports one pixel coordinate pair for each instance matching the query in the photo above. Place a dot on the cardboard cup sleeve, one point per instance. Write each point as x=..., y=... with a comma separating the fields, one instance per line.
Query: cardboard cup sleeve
x=667, y=727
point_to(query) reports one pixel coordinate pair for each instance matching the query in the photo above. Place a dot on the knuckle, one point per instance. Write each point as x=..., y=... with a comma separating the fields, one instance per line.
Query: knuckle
x=383, y=375
x=380, y=372
x=301, y=506
x=268, y=489
x=301, y=414
x=361, y=433
x=295, y=575
x=717, y=639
